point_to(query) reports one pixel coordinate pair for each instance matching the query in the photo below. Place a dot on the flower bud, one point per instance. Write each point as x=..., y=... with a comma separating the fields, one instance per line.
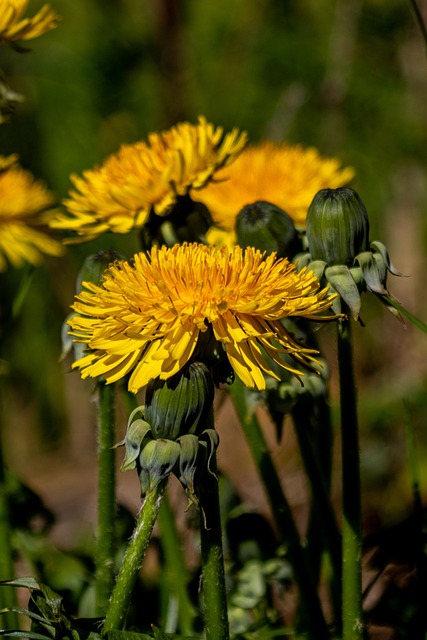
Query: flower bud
x=268, y=228
x=337, y=226
x=181, y=404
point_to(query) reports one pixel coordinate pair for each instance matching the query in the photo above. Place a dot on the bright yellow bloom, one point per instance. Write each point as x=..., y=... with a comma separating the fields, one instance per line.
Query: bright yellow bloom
x=14, y=27
x=287, y=176
x=146, y=317
x=119, y=195
x=26, y=207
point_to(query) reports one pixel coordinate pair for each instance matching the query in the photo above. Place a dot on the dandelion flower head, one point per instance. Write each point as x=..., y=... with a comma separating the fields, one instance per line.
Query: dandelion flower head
x=14, y=27
x=119, y=195
x=287, y=176
x=26, y=207
x=146, y=317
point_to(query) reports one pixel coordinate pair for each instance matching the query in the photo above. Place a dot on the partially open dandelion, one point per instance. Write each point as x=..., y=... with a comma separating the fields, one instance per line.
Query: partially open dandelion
x=26, y=207
x=147, y=176
x=14, y=27
x=147, y=317
x=284, y=175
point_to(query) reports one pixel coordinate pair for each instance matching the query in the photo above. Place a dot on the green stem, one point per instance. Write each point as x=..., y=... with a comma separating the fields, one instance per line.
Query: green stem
x=282, y=515
x=214, y=592
x=175, y=567
x=353, y=628
x=7, y=569
x=323, y=519
x=105, y=545
x=122, y=592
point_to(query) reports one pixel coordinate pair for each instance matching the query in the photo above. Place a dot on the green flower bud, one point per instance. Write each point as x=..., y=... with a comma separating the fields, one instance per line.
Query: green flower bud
x=337, y=226
x=268, y=228
x=181, y=404
x=94, y=266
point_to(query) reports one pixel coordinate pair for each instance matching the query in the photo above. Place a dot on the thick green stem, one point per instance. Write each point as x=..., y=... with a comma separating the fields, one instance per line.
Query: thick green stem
x=122, y=592
x=214, y=592
x=352, y=511
x=282, y=515
x=175, y=566
x=323, y=519
x=105, y=545
x=7, y=569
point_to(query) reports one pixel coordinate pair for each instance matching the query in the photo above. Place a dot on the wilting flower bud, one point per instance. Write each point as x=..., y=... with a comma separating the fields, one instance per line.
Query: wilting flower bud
x=94, y=266
x=268, y=228
x=181, y=404
x=337, y=226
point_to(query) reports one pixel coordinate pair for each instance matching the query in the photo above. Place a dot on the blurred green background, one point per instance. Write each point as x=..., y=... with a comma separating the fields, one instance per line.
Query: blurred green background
x=347, y=76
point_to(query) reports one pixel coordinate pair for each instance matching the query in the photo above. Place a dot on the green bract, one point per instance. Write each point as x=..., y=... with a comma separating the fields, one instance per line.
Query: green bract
x=181, y=404
x=268, y=228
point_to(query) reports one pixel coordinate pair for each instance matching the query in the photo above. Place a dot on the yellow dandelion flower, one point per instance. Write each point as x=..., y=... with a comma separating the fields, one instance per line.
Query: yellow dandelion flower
x=14, y=27
x=147, y=317
x=287, y=176
x=26, y=207
x=119, y=195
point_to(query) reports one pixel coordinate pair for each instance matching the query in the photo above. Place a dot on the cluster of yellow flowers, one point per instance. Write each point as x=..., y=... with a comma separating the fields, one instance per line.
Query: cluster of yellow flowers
x=147, y=317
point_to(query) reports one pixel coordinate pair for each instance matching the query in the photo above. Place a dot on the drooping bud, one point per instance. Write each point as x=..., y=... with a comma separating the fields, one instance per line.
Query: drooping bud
x=268, y=228
x=181, y=404
x=337, y=226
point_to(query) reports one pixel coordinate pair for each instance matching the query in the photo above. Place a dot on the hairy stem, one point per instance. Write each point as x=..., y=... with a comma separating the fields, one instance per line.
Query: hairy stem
x=105, y=545
x=122, y=592
x=214, y=593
